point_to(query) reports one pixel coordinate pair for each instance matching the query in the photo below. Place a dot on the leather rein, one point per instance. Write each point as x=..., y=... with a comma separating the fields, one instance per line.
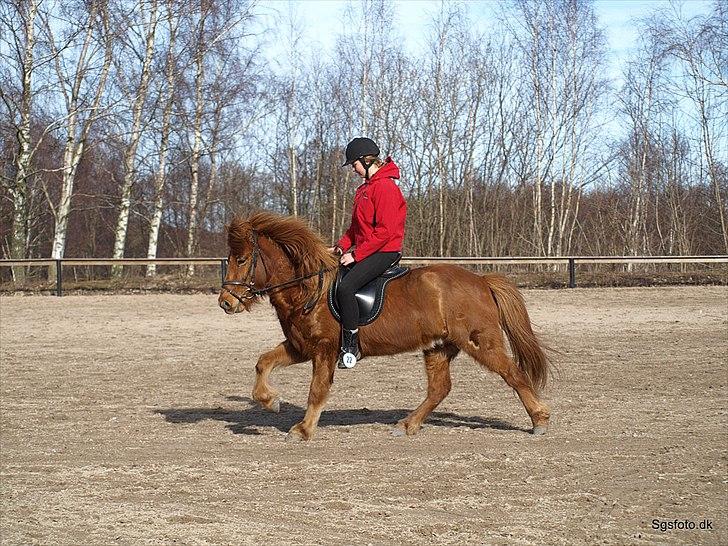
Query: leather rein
x=249, y=283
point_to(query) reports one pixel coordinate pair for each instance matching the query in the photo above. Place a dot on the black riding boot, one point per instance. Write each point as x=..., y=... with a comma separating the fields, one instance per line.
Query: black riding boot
x=349, y=349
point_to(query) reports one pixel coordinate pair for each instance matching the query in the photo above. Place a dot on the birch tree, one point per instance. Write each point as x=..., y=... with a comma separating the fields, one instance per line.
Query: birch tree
x=291, y=111
x=698, y=47
x=82, y=60
x=217, y=32
x=136, y=93
x=167, y=94
x=563, y=46
x=361, y=51
x=200, y=52
x=440, y=123
x=642, y=106
x=19, y=25
x=362, y=56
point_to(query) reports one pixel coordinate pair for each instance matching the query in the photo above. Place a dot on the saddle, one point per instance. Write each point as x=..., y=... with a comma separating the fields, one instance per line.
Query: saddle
x=370, y=297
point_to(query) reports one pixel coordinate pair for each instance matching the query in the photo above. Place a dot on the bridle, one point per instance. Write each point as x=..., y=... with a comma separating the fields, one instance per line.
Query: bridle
x=249, y=283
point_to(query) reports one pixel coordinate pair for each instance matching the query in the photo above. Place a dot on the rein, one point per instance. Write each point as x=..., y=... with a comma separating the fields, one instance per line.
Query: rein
x=253, y=292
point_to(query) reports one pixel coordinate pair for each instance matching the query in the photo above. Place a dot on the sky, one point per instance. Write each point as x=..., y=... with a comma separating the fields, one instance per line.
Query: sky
x=323, y=20
x=618, y=18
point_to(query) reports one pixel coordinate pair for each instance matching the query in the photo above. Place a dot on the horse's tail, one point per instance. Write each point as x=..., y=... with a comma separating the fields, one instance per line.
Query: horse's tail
x=528, y=353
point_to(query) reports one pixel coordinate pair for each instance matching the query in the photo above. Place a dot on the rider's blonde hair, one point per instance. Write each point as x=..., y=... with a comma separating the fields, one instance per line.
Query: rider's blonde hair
x=373, y=160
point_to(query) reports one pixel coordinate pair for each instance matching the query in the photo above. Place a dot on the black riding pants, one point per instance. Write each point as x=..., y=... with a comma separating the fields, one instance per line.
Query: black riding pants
x=360, y=274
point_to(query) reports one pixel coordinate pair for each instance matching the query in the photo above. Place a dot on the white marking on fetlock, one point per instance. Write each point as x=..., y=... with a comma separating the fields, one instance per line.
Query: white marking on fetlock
x=434, y=344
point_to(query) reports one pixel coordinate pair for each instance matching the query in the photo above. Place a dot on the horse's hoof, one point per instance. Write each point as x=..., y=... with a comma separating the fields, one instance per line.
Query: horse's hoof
x=404, y=428
x=397, y=432
x=297, y=434
x=274, y=405
x=539, y=430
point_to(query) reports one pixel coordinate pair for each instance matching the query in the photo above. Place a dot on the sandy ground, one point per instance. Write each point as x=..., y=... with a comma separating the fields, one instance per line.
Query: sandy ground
x=127, y=419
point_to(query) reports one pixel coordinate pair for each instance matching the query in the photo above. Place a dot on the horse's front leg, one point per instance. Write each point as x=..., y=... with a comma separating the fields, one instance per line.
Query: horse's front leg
x=324, y=363
x=284, y=354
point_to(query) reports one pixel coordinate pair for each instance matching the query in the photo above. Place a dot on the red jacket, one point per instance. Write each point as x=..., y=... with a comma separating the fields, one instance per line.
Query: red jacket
x=378, y=215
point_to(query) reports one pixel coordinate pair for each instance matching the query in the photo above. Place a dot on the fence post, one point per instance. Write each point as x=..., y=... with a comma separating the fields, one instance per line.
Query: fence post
x=572, y=273
x=59, y=279
x=223, y=268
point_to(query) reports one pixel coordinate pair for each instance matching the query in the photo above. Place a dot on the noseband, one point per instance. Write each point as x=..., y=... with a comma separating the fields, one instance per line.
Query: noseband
x=249, y=283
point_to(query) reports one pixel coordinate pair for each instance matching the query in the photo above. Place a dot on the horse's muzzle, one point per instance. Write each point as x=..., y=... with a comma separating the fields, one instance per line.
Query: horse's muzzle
x=226, y=305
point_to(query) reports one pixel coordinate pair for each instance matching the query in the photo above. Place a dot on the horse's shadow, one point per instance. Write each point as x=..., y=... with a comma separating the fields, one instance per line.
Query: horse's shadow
x=252, y=418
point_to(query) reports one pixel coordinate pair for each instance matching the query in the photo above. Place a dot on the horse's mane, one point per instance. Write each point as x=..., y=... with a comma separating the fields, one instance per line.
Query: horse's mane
x=305, y=249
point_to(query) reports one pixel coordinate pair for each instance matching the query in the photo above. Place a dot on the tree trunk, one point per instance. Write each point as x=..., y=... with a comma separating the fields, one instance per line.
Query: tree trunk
x=75, y=138
x=159, y=179
x=19, y=232
x=196, y=146
x=71, y=159
x=122, y=224
x=294, y=179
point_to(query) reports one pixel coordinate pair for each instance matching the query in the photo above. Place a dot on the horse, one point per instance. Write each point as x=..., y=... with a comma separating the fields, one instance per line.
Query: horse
x=440, y=309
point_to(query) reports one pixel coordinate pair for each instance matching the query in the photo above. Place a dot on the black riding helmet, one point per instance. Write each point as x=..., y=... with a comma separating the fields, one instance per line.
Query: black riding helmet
x=357, y=149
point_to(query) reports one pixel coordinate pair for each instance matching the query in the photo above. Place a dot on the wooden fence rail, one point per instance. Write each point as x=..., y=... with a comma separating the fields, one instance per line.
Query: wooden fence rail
x=571, y=261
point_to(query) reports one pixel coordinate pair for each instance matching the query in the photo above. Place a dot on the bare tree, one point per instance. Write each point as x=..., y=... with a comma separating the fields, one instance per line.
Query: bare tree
x=136, y=93
x=19, y=23
x=642, y=106
x=699, y=47
x=140, y=127
x=564, y=47
x=291, y=111
x=167, y=92
x=84, y=48
x=216, y=32
x=200, y=51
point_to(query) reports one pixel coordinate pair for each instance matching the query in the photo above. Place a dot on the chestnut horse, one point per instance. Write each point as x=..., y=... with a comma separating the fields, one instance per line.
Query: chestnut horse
x=441, y=309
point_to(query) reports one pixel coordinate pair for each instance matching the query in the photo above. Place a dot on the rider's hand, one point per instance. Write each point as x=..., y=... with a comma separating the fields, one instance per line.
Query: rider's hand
x=347, y=259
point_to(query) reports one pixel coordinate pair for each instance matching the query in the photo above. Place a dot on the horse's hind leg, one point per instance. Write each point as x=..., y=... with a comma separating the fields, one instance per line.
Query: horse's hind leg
x=437, y=366
x=492, y=355
x=282, y=355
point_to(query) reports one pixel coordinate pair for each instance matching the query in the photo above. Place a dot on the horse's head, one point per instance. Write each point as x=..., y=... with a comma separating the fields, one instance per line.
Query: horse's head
x=246, y=269
x=267, y=249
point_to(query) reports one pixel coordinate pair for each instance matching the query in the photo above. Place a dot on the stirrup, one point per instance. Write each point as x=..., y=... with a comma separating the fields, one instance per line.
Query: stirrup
x=350, y=352
x=347, y=361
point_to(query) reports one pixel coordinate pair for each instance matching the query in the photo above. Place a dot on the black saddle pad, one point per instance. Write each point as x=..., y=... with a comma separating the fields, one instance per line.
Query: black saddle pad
x=370, y=297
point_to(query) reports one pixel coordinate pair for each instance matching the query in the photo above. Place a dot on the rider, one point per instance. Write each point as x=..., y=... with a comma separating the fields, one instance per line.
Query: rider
x=373, y=242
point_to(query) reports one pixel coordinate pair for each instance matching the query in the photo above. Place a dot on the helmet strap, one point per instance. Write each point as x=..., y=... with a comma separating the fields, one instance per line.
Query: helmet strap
x=366, y=166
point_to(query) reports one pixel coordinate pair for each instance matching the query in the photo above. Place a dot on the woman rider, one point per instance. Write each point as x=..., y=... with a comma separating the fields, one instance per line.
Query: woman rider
x=373, y=242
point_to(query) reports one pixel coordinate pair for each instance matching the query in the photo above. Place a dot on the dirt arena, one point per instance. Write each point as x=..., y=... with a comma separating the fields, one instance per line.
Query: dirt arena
x=127, y=420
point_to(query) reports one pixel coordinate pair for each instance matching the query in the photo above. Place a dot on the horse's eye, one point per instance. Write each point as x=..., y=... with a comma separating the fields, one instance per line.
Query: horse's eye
x=241, y=261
